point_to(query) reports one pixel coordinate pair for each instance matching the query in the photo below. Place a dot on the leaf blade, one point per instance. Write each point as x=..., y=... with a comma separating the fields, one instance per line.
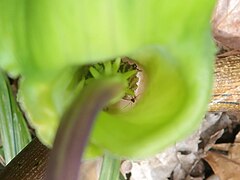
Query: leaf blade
x=14, y=132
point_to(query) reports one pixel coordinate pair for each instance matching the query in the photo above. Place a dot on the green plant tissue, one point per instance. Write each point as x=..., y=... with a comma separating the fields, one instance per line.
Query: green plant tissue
x=44, y=41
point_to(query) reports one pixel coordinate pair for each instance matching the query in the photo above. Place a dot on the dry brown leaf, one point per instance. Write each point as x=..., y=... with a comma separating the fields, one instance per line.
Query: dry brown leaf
x=212, y=140
x=222, y=147
x=223, y=167
x=90, y=169
x=237, y=138
x=234, y=152
x=232, y=149
x=226, y=23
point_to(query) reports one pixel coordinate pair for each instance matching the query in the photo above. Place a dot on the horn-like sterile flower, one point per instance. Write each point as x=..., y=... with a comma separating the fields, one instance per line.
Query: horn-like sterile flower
x=166, y=50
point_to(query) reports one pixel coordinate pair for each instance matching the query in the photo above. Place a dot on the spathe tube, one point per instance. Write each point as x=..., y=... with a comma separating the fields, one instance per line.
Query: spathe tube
x=171, y=105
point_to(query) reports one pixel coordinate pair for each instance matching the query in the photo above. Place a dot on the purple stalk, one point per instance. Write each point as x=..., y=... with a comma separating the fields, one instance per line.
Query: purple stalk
x=75, y=127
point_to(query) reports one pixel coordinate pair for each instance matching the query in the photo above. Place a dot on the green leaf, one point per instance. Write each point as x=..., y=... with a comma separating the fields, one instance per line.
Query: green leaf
x=85, y=31
x=14, y=131
x=171, y=41
x=110, y=169
x=174, y=100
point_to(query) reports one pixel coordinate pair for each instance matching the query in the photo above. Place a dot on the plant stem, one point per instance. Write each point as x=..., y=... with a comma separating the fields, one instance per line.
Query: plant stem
x=226, y=93
x=75, y=127
x=29, y=164
x=110, y=167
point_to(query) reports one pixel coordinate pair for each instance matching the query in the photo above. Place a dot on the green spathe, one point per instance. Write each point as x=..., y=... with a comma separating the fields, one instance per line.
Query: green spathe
x=42, y=35
x=45, y=40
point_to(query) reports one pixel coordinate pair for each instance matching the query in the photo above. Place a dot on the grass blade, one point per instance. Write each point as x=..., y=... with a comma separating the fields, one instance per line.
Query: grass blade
x=110, y=167
x=13, y=129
